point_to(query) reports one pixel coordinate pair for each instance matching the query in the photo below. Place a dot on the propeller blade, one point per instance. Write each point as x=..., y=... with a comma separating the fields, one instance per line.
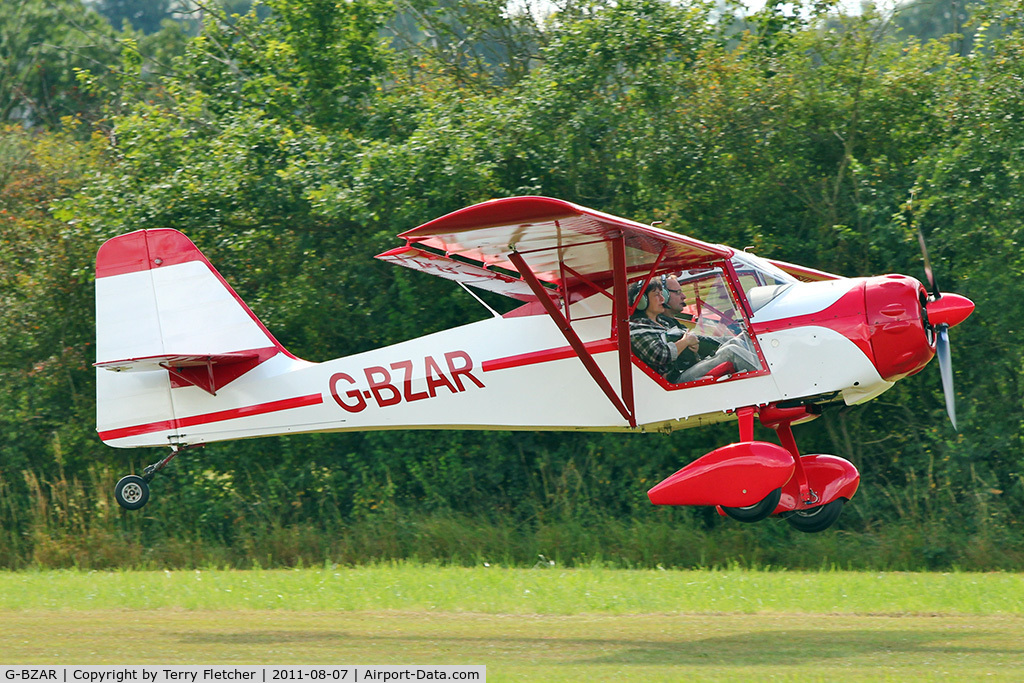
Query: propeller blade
x=928, y=273
x=946, y=368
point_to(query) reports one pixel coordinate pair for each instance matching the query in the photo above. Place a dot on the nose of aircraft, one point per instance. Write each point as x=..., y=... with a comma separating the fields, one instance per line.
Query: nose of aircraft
x=904, y=337
x=949, y=309
x=897, y=330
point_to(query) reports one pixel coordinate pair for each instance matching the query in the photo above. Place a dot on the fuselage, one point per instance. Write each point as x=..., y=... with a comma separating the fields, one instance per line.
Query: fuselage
x=842, y=339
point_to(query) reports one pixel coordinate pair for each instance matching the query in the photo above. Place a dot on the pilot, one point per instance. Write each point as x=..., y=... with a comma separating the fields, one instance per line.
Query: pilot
x=649, y=333
x=671, y=351
x=675, y=316
x=675, y=302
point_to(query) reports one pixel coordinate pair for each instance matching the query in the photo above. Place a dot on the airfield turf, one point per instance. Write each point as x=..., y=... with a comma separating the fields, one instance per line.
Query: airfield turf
x=725, y=625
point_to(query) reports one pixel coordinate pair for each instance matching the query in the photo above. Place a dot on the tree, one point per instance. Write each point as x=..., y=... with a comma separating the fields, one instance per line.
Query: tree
x=293, y=147
x=143, y=15
x=936, y=19
x=45, y=302
x=42, y=45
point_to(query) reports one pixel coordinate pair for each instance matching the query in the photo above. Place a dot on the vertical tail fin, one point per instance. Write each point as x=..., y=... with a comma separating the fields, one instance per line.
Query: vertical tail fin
x=165, y=318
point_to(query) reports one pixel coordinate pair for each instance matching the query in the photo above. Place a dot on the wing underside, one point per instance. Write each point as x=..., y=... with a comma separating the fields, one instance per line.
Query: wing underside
x=565, y=247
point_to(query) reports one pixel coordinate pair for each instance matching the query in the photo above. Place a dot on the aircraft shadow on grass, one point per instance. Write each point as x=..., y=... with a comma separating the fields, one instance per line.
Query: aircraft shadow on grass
x=753, y=648
x=791, y=647
x=263, y=637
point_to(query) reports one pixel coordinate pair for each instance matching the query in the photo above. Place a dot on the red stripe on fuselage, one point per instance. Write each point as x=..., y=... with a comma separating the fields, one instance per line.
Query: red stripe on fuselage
x=545, y=356
x=209, y=418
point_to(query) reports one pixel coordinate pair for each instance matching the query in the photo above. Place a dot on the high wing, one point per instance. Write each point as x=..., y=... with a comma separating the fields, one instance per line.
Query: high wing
x=566, y=247
x=539, y=249
x=803, y=273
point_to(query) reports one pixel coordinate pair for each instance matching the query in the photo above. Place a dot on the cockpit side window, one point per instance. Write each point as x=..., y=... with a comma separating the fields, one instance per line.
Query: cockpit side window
x=691, y=329
x=754, y=271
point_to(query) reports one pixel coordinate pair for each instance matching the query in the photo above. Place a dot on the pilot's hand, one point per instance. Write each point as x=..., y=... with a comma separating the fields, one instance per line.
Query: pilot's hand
x=688, y=341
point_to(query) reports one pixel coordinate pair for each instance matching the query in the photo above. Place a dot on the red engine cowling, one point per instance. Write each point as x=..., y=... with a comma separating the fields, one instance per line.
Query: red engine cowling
x=894, y=306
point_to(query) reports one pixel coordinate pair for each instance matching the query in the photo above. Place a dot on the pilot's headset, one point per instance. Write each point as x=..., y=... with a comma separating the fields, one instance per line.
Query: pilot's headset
x=638, y=294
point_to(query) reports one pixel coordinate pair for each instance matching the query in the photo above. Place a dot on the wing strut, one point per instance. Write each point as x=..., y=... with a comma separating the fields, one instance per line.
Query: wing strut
x=576, y=343
x=620, y=309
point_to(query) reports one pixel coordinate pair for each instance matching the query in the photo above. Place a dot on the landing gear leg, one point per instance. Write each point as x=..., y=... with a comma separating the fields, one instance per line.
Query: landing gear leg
x=132, y=491
x=813, y=499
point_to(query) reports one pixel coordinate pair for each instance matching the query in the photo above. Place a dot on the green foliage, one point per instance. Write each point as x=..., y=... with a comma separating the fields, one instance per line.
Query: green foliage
x=45, y=301
x=42, y=44
x=143, y=15
x=481, y=45
x=939, y=20
x=293, y=145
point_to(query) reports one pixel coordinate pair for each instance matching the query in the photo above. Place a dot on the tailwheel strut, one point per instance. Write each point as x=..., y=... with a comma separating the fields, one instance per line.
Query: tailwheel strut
x=132, y=491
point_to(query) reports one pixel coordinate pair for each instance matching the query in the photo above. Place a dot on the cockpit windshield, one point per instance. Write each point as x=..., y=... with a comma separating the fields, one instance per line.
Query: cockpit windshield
x=754, y=271
x=761, y=281
x=709, y=304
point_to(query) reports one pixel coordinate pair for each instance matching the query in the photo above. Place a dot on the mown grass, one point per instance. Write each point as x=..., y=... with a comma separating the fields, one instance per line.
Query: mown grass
x=547, y=623
x=499, y=590
x=661, y=647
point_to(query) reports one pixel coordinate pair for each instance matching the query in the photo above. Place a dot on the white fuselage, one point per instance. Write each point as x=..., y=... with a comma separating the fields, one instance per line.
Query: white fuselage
x=499, y=373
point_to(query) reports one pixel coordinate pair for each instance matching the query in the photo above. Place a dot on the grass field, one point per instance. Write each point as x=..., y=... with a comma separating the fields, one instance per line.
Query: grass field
x=541, y=624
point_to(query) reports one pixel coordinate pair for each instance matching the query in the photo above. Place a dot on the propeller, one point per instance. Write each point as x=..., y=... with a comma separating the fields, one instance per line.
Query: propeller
x=928, y=272
x=942, y=312
x=946, y=369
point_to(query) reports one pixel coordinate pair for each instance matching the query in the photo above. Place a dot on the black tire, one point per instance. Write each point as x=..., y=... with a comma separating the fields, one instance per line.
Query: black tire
x=757, y=511
x=131, y=492
x=813, y=520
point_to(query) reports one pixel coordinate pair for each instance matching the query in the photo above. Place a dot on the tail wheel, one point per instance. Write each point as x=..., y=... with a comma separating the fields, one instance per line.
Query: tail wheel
x=813, y=520
x=131, y=492
x=757, y=511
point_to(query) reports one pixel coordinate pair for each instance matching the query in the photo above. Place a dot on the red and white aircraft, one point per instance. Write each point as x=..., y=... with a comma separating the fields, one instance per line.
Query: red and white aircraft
x=182, y=361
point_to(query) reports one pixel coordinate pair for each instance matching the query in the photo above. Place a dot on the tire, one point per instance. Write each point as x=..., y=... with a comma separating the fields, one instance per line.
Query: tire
x=813, y=520
x=757, y=511
x=131, y=492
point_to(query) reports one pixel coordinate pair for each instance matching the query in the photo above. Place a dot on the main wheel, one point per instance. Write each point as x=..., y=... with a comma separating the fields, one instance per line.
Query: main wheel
x=131, y=492
x=813, y=520
x=757, y=511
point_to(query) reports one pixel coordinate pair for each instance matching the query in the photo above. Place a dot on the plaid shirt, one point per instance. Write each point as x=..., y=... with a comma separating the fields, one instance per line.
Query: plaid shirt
x=650, y=344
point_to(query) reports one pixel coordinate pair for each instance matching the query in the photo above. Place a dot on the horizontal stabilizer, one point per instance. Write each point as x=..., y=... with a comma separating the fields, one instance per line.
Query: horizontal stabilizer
x=177, y=361
x=206, y=371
